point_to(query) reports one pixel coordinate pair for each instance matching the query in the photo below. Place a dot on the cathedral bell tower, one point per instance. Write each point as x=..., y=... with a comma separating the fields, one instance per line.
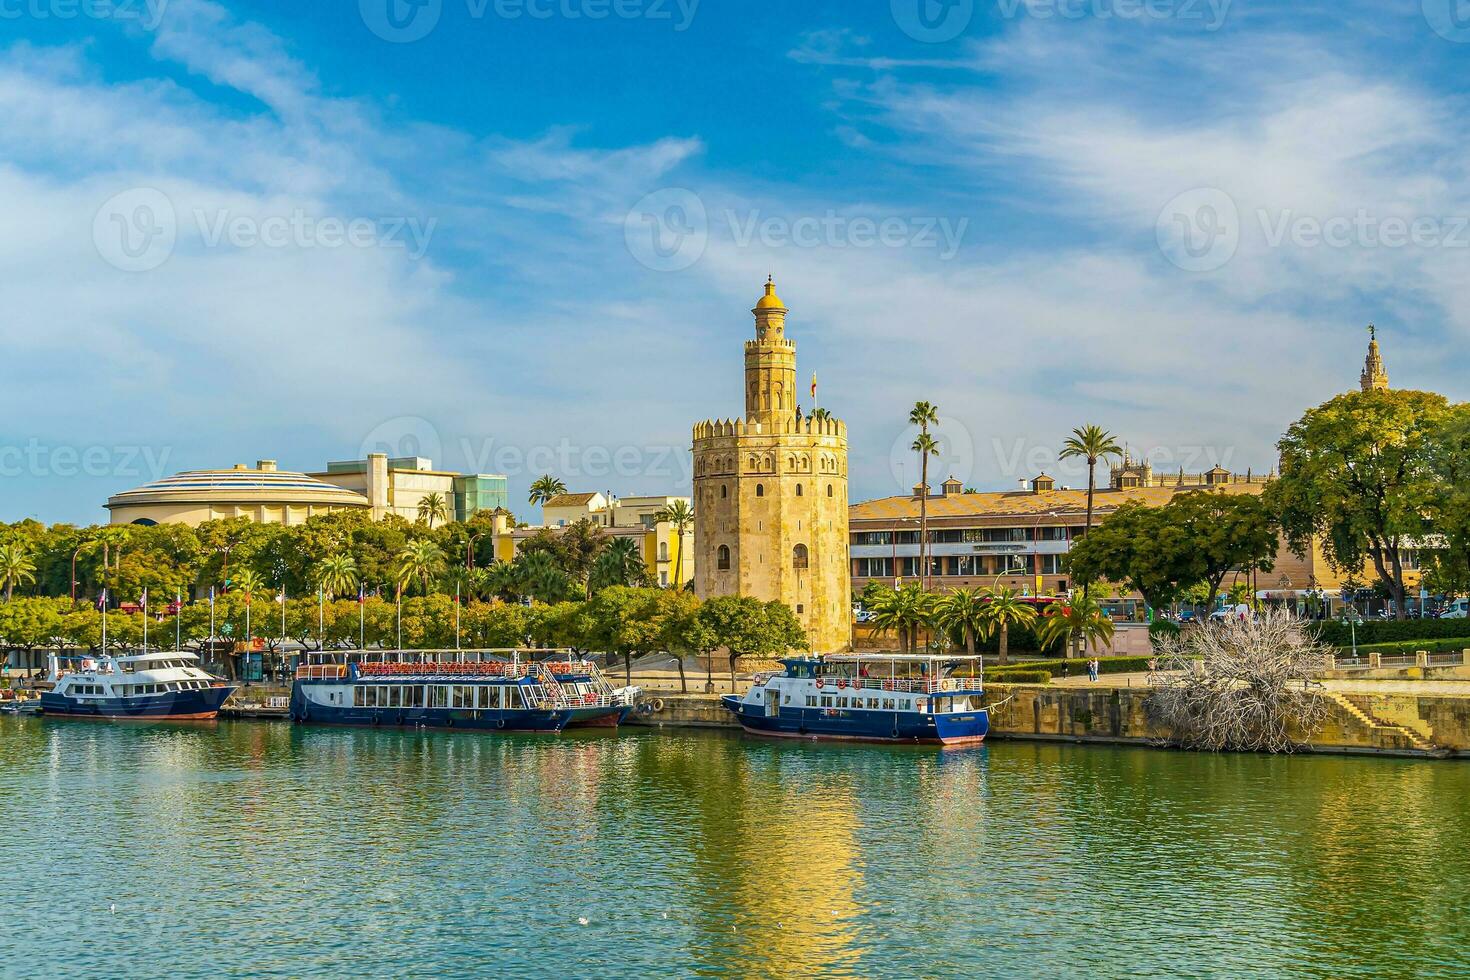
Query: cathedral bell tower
x=1375, y=375
x=770, y=492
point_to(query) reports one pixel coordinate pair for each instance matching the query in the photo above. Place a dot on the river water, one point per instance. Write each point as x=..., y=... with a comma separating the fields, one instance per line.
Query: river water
x=260, y=849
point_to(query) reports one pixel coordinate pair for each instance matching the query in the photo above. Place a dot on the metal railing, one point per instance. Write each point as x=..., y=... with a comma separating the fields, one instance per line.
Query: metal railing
x=905, y=685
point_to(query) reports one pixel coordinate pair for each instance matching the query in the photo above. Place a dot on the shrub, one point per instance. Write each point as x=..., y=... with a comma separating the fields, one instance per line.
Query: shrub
x=1012, y=676
x=1339, y=634
x=1161, y=630
x=1075, y=668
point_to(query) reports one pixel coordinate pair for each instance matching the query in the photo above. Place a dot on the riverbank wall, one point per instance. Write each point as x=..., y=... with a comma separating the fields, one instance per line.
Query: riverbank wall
x=1415, y=725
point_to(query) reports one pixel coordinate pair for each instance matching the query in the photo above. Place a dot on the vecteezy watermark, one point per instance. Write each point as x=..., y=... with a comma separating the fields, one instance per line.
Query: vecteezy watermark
x=1450, y=19
x=932, y=21
x=137, y=230
x=403, y=436
x=1021, y=459
x=573, y=461
x=669, y=230
x=956, y=456
x=405, y=21
x=1210, y=14
x=1363, y=229
x=1199, y=230
x=147, y=14
x=35, y=458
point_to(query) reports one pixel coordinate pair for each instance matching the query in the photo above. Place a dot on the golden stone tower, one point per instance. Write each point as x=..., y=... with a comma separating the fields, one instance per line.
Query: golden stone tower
x=770, y=492
x=1375, y=375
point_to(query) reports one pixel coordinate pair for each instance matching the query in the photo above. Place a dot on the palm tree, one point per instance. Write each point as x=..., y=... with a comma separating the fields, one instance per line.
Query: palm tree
x=1082, y=619
x=538, y=575
x=619, y=564
x=248, y=582
x=431, y=508
x=902, y=611
x=821, y=415
x=1092, y=443
x=1004, y=608
x=924, y=414
x=419, y=561
x=925, y=445
x=963, y=609
x=545, y=488
x=680, y=517
x=16, y=567
x=337, y=574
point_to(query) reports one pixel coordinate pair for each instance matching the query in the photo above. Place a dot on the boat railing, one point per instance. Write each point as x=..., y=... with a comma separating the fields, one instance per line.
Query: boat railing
x=321, y=672
x=908, y=685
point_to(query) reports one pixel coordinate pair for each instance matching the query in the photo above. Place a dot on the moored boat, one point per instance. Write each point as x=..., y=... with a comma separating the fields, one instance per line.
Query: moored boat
x=877, y=698
x=484, y=690
x=162, y=685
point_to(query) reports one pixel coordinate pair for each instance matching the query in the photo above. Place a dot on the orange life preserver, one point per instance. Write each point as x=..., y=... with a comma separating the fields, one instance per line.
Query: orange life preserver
x=820, y=683
x=841, y=683
x=887, y=685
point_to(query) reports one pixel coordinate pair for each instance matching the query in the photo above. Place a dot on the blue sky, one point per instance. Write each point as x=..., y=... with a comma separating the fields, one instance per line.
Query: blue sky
x=524, y=236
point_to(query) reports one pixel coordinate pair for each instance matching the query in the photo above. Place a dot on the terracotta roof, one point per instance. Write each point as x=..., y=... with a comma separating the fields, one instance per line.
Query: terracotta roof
x=569, y=500
x=1025, y=503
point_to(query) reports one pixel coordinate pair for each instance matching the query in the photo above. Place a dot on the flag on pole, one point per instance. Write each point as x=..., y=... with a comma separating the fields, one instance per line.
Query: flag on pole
x=102, y=600
x=814, y=386
x=361, y=594
x=145, y=600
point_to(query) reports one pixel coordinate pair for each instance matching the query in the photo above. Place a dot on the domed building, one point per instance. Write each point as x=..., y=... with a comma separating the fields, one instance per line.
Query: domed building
x=263, y=494
x=770, y=489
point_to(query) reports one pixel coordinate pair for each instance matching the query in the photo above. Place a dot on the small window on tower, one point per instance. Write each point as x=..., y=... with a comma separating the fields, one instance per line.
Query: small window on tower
x=798, y=489
x=722, y=558
x=799, y=558
x=724, y=491
x=800, y=609
x=760, y=489
x=829, y=489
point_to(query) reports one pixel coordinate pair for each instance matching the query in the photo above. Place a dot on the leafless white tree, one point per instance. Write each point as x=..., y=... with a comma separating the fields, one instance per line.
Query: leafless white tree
x=1240, y=685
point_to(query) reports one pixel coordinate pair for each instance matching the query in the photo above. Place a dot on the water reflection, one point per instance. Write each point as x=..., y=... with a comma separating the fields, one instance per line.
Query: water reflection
x=244, y=848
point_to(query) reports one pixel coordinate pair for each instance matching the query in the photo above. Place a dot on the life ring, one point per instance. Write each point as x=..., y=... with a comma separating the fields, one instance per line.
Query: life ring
x=887, y=685
x=658, y=705
x=377, y=720
x=499, y=722
x=645, y=708
x=842, y=683
x=821, y=683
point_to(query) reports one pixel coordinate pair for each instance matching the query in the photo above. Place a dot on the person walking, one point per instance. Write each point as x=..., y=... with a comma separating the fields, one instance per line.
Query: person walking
x=1092, y=669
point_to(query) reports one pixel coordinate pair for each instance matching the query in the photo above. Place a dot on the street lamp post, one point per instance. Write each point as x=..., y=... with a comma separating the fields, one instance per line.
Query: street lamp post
x=469, y=551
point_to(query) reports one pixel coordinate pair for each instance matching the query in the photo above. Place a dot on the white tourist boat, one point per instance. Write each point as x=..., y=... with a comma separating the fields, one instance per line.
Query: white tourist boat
x=158, y=685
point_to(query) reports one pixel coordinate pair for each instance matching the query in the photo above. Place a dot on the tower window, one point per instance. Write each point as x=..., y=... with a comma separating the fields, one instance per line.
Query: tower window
x=724, y=491
x=722, y=558
x=760, y=489
x=799, y=557
x=829, y=489
x=798, y=489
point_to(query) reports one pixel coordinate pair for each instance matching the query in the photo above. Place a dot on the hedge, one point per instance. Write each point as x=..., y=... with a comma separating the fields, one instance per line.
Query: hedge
x=1076, y=668
x=1339, y=634
x=1009, y=676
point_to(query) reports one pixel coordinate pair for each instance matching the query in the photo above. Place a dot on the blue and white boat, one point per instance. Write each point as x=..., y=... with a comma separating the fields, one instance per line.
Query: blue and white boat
x=481, y=690
x=876, y=698
x=163, y=685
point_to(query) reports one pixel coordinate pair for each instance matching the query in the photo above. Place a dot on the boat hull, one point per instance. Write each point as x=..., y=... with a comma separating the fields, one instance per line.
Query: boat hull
x=179, y=706
x=861, y=725
x=306, y=711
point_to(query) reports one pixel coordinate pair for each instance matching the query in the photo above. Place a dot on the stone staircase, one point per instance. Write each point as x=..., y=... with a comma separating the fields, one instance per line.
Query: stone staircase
x=1360, y=708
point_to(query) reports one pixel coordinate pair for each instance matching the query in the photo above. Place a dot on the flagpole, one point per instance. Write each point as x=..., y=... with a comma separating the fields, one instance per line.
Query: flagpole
x=145, y=622
x=178, y=620
x=321, y=615
x=361, y=606
x=211, y=619
x=456, y=615
x=104, y=622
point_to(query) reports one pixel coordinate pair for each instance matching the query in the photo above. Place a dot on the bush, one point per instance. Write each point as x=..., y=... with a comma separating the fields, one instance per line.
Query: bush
x=1160, y=630
x=1013, y=676
x=1338, y=634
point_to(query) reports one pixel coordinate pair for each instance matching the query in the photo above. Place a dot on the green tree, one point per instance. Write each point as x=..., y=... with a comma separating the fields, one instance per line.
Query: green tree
x=419, y=562
x=337, y=575
x=902, y=611
x=16, y=567
x=1081, y=619
x=431, y=509
x=1003, y=608
x=545, y=488
x=1092, y=443
x=962, y=611
x=625, y=621
x=924, y=414
x=1357, y=473
x=536, y=574
x=682, y=630
x=748, y=627
x=1448, y=567
x=619, y=564
x=680, y=518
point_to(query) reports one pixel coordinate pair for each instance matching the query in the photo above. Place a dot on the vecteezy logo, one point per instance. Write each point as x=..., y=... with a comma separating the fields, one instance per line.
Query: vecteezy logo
x=406, y=435
x=1199, y=230
x=135, y=231
x=400, y=21
x=667, y=231
x=932, y=21
x=956, y=455
x=1449, y=18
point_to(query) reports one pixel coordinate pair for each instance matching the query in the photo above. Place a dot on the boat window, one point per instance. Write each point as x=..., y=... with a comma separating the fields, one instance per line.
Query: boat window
x=811, y=700
x=788, y=700
x=438, y=696
x=921, y=704
x=359, y=697
x=826, y=700
x=888, y=704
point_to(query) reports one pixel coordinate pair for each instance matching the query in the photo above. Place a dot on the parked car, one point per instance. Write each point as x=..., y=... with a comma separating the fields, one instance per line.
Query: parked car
x=1457, y=609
